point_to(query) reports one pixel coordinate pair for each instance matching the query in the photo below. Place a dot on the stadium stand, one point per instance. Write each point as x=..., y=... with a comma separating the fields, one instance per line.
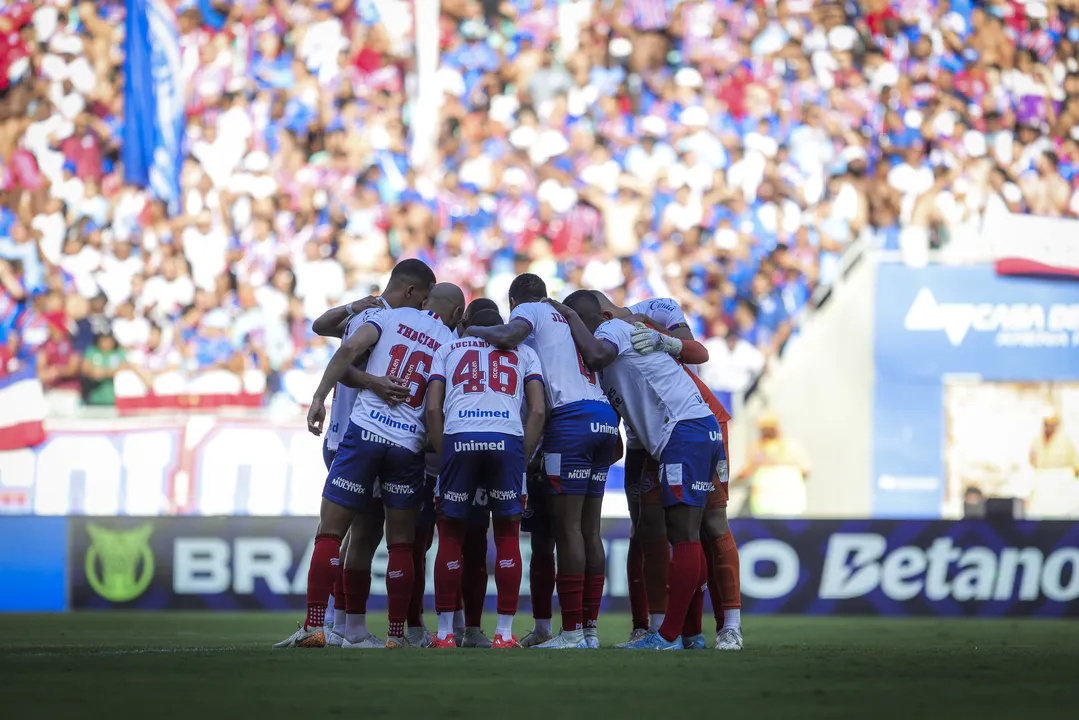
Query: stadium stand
x=723, y=153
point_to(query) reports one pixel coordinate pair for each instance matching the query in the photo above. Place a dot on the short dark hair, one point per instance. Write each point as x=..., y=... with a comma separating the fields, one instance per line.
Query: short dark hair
x=527, y=287
x=485, y=318
x=480, y=304
x=583, y=300
x=413, y=272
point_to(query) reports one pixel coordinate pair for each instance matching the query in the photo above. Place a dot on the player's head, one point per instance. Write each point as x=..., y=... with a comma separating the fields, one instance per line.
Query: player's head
x=448, y=302
x=585, y=304
x=527, y=287
x=485, y=318
x=476, y=306
x=410, y=283
x=608, y=308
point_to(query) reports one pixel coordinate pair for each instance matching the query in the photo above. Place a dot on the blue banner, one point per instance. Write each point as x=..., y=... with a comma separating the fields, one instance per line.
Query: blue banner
x=153, y=100
x=33, y=564
x=817, y=567
x=938, y=322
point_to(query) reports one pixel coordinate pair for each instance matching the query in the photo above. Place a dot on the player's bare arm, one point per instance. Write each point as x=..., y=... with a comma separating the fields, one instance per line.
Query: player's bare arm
x=390, y=388
x=537, y=415
x=333, y=322
x=359, y=343
x=436, y=422
x=503, y=337
x=595, y=353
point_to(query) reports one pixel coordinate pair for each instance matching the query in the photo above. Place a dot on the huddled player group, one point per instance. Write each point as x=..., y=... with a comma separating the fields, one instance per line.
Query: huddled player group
x=445, y=416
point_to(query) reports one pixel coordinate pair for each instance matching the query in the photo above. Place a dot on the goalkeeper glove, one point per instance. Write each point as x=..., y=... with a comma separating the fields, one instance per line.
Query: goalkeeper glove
x=646, y=340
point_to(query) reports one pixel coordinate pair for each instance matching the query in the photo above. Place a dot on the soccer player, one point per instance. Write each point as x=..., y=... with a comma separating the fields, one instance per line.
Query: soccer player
x=408, y=286
x=482, y=442
x=578, y=443
x=468, y=615
x=648, y=556
x=341, y=322
x=684, y=437
x=382, y=450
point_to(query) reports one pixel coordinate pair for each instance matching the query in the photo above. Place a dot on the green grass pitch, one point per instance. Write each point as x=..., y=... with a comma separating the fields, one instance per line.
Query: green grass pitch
x=211, y=665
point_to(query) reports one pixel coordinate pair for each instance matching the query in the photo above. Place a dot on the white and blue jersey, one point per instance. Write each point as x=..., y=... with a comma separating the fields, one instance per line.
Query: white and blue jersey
x=484, y=443
x=408, y=341
x=344, y=397
x=382, y=450
x=582, y=429
x=657, y=399
x=667, y=313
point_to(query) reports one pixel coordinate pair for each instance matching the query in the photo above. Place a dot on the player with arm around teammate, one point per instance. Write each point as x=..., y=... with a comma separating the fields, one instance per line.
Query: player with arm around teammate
x=578, y=443
x=474, y=422
x=661, y=327
x=341, y=322
x=409, y=285
x=382, y=448
x=684, y=436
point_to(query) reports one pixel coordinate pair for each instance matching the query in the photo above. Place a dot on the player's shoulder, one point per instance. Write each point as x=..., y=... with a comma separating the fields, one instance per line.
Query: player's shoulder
x=656, y=305
x=614, y=328
x=526, y=353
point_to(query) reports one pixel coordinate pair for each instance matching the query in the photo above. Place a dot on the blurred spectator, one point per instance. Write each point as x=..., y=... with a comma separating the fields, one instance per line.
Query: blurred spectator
x=723, y=153
x=1053, y=449
x=100, y=363
x=776, y=469
x=57, y=361
x=733, y=363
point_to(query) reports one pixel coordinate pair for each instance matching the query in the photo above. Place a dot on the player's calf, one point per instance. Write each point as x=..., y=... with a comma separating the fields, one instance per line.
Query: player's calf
x=508, y=571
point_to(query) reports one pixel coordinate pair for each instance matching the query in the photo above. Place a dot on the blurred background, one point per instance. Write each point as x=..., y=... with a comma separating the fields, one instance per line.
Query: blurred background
x=867, y=209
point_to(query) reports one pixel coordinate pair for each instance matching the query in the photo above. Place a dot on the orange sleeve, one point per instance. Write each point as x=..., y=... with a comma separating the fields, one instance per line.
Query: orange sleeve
x=713, y=402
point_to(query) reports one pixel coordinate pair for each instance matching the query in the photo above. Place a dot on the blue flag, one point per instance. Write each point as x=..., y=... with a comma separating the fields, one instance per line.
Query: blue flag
x=153, y=101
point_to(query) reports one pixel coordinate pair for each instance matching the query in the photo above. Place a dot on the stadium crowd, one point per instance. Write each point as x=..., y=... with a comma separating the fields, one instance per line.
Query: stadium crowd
x=721, y=153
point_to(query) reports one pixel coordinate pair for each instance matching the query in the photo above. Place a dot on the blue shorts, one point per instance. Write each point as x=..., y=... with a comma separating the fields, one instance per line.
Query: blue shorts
x=578, y=443
x=327, y=456
x=635, y=462
x=690, y=461
x=492, y=461
x=426, y=517
x=369, y=471
x=536, y=515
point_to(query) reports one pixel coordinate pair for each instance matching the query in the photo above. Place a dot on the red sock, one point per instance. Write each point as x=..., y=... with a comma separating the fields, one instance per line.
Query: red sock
x=541, y=580
x=451, y=535
x=399, y=575
x=419, y=577
x=593, y=597
x=685, y=569
x=638, y=595
x=657, y=563
x=474, y=575
x=729, y=571
x=339, y=588
x=357, y=588
x=714, y=593
x=508, y=569
x=571, y=601
x=325, y=566
x=694, y=617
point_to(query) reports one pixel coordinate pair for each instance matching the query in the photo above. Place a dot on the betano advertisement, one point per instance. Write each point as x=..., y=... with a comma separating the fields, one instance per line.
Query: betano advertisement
x=886, y=567
x=937, y=326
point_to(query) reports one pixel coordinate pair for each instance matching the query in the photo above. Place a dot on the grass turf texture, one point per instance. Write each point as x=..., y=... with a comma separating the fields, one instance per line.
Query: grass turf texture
x=209, y=665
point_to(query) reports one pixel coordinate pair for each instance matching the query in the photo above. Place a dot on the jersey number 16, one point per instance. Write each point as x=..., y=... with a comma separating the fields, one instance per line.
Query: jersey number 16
x=409, y=371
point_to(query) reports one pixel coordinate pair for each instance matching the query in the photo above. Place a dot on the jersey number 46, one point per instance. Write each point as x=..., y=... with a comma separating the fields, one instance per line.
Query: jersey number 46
x=501, y=369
